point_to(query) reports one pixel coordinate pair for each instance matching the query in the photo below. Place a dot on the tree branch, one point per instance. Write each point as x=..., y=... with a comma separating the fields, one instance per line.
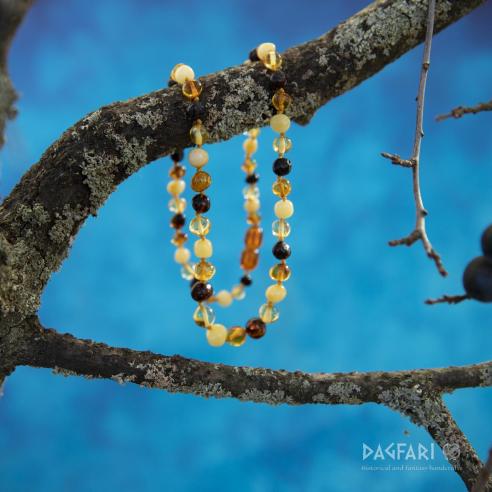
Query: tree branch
x=462, y=110
x=484, y=477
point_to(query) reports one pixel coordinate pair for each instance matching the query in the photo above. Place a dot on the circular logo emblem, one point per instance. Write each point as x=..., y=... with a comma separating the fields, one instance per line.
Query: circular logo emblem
x=451, y=451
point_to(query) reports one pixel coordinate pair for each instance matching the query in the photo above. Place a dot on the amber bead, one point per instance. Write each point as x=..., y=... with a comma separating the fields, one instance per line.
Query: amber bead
x=200, y=225
x=236, y=336
x=281, y=228
x=252, y=178
x=253, y=237
x=178, y=221
x=200, y=181
x=282, y=144
x=281, y=100
x=201, y=203
x=177, y=172
x=179, y=238
x=281, y=250
x=253, y=219
x=201, y=291
x=196, y=111
x=273, y=61
x=246, y=280
x=198, y=134
x=255, y=328
x=269, y=313
x=249, y=259
x=204, y=315
x=280, y=272
x=192, y=89
x=282, y=166
x=249, y=165
x=204, y=271
x=253, y=56
x=281, y=187
x=278, y=79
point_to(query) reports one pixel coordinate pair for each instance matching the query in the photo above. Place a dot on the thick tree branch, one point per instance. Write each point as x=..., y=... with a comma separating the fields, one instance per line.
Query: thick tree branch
x=11, y=14
x=75, y=176
x=462, y=110
x=484, y=477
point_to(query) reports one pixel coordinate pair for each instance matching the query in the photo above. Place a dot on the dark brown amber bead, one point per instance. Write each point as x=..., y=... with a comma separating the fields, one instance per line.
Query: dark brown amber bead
x=246, y=280
x=196, y=111
x=200, y=181
x=253, y=56
x=201, y=203
x=179, y=238
x=177, y=155
x=249, y=259
x=278, y=79
x=282, y=166
x=253, y=237
x=178, y=221
x=281, y=250
x=201, y=291
x=252, y=178
x=255, y=328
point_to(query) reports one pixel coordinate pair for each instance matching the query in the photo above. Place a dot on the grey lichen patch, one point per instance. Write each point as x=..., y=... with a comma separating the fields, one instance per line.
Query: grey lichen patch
x=133, y=153
x=346, y=392
x=62, y=229
x=122, y=378
x=264, y=396
x=60, y=371
x=206, y=390
x=486, y=374
x=34, y=215
x=152, y=118
x=90, y=119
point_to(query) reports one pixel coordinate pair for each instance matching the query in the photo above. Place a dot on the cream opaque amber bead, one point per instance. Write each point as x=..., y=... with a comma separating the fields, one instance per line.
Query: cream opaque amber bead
x=276, y=293
x=280, y=123
x=263, y=50
x=284, y=209
x=182, y=255
x=198, y=157
x=251, y=205
x=224, y=298
x=217, y=335
x=250, y=145
x=176, y=186
x=237, y=292
x=181, y=73
x=203, y=248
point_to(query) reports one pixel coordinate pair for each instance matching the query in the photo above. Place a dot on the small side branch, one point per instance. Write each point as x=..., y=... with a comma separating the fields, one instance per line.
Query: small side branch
x=462, y=110
x=448, y=299
x=483, y=480
x=419, y=233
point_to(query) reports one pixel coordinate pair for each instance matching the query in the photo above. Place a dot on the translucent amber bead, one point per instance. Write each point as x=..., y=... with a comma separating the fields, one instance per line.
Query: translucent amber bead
x=204, y=315
x=253, y=237
x=200, y=226
x=280, y=272
x=237, y=292
x=200, y=181
x=282, y=144
x=192, y=88
x=187, y=271
x=263, y=50
x=198, y=135
x=249, y=259
x=273, y=61
x=236, y=336
x=281, y=228
x=276, y=293
x=249, y=165
x=179, y=238
x=281, y=100
x=177, y=205
x=204, y=271
x=254, y=132
x=217, y=335
x=177, y=172
x=253, y=219
x=268, y=313
x=281, y=187
x=250, y=145
x=251, y=191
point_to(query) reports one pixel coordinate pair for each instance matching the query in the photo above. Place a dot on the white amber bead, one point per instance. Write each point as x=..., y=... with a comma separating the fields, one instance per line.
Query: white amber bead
x=176, y=187
x=276, y=293
x=280, y=123
x=250, y=145
x=284, y=209
x=251, y=205
x=183, y=73
x=182, y=255
x=198, y=157
x=265, y=48
x=217, y=335
x=224, y=298
x=203, y=248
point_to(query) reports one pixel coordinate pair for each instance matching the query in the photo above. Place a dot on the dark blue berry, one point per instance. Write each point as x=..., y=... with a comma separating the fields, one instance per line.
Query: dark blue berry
x=487, y=242
x=477, y=279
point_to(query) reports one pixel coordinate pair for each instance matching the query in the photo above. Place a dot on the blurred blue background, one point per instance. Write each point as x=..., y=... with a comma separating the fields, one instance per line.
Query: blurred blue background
x=354, y=303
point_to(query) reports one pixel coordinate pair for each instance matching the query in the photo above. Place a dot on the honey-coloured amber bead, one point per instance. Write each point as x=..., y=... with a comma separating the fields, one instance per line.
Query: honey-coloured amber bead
x=282, y=144
x=198, y=134
x=269, y=313
x=253, y=218
x=177, y=205
x=204, y=315
x=192, y=88
x=236, y=336
x=253, y=237
x=281, y=100
x=249, y=165
x=281, y=187
x=280, y=272
x=249, y=259
x=273, y=61
x=255, y=328
x=179, y=238
x=200, y=225
x=204, y=271
x=177, y=172
x=181, y=72
x=281, y=228
x=200, y=181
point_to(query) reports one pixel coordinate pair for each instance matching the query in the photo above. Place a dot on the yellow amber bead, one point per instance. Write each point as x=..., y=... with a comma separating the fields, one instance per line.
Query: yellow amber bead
x=217, y=335
x=254, y=132
x=204, y=271
x=173, y=71
x=253, y=219
x=182, y=255
x=284, y=209
x=263, y=50
x=273, y=61
x=281, y=228
x=250, y=145
x=281, y=100
x=249, y=165
x=224, y=298
x=236, y=336
x=179, y=238
x=198, y=134
x=251, y=205
x=276, y=293
x=237, y=292
x=280, y=123
x=176, y=186
x=281, y=187
x=251, y=191
x=204, y=315
x=282, y=144
x=192, y=88
x=280, y=272
x=200, y=181
x=268, y=313
x=200, y=226
x=203, y=248
x=181, y=73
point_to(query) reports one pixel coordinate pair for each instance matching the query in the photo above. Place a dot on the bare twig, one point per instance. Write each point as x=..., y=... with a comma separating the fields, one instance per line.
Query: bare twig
x=446, y=299
x=484, y=479
x=462, y=110
x=419, y=233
